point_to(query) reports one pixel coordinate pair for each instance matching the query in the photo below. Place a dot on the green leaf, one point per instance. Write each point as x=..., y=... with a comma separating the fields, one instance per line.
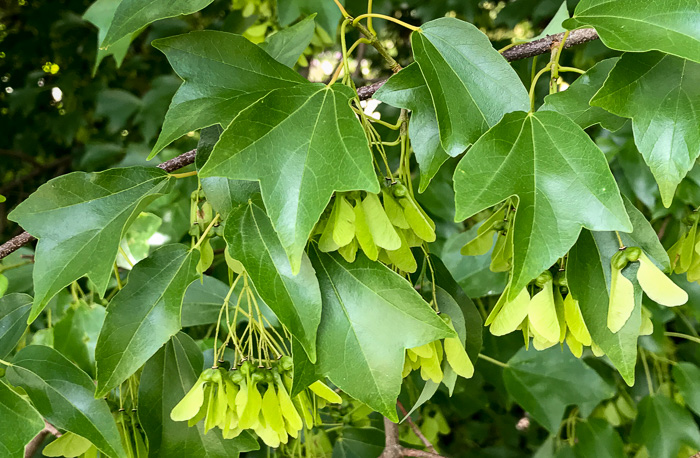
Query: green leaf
x=224, y=73
x=328, y=13
x=629, y=25
x=75, y=335
x=101, y=15
x=79, y=219
x=472, y=272
x=63, y=395
x=135, y=242
x=562, y=181
x=588, y=274
x=18, y=416
x=165, y=380
x=471, y=84
x=14, y=311
x=133, y=15
x=597, y=438
x=286, y=45
x=663, y=426
x=574, y=101
x=305, y=372
x=203, y=301
x=144, y=315
x=309, y=146
x=295, y=299
x=370, y=316
x=359, y=443
x=407, y=89
x=661, y=94
x=545, y=382
x=687, y=377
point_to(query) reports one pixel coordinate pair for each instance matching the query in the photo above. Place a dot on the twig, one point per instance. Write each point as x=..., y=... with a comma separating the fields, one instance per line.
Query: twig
x=416, y=429
x=22, y=239
x=517, y=52
x=35, y=443
x=392, y=447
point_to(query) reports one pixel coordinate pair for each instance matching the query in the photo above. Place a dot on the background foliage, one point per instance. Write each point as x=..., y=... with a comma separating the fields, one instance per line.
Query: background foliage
x=67, y=105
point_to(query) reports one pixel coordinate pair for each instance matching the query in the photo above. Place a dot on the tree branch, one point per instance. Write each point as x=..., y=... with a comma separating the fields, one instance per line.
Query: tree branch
x=518, y=52
x=392, y=447
x=416, y=429
x=523, y=51
x=32, y=447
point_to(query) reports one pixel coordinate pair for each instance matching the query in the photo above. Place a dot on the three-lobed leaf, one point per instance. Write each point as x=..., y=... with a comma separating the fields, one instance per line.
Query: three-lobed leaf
x=79, y=219
x=144, y=315
x=630, y=25
x=223, y=74
x=560, y=177
x=165, y=380
x=471, y=84
x=19, y=417
x=661, y=94
x=63, y=395
x=370, y=316
x=310, y=145
x=286, y=45
x=295, y=299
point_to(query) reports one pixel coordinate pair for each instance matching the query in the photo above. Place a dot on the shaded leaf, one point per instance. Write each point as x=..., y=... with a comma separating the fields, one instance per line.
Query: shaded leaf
x=471, y=84
x=165, y=380
x=663, y=427
x=286, y=45
x=101, y=14
x=18, y=416
x=132, y=15
x=309, y=146
x=79, y=219
x=203, y=300
x=687, y=377
x=143, y=315
x=574, y=101
x=359, y=443
x=295, y=299
x=629, y=25
x=63, y=395
x=661, y=94
x=596, y=439
x=545, y=382
x=328, y=14
x=14, y=311
x=75, y=335
x=472, y=272
x=562, y=181
x=370, y=316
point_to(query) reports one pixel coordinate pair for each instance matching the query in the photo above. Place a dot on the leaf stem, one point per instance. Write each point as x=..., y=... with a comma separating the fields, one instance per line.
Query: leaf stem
x=683, y=336
x=492, y=361
x=184, y=174
x=206, y=231
x=388, y=18
x=342, y=9
x=116, y=275
x=534, y=84
x=572, y=69
x=2, y=361
x=619, y=240
x=369, y=19
x=650, y=385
